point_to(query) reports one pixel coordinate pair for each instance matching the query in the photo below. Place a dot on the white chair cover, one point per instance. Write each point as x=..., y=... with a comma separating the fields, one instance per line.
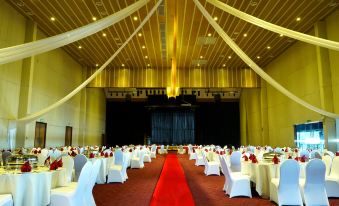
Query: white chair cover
x=88, y=193
x=314, y=190
x=6, y=200
x=79, y=161
x=332, y=181
x=328, y=162
x=236, y=161
x=68, y=164
x=118, y=157
x=285, y=190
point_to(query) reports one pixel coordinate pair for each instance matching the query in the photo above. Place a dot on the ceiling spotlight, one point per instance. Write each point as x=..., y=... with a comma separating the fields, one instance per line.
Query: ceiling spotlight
x=148, y=65
x=140, y=34
x=215, y=18
x=96, y=65
x=224, y=65
x=146, y=57
x=198, y=65
x=298, y=19
x=201, y=57
x=122, y=65
x=94, y=18
x=79, y=47
x=209, y=34
x=268, y=47
x=281, y=35
x=229, y=57
x=245, y=35
x=143, y=47
x=104, y=34
x=52, y=18
x=258, y=57
x=135, y=18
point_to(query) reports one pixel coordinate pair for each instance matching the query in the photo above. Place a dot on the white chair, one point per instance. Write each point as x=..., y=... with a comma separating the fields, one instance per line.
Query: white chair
x=193, y=154
x=235, y=161
x=305, y=153
x=118, y=157
x=211, y=167
x=328, y=162
x=68, y=164
x=54, y=154
x=44, y=152
x=315, y=154
x=88, y=193
x=332, y=181
x=6, y=200
x=313, y=190
x=181, y=150
x=73, y=196
x=117, y=173
x=329, y=153
x=147, y=155
x=79, y=161
x=138, y=161
x=235, y=185
x=154, y=151
x=285, y=190
x=199, y=161
x=162, y=150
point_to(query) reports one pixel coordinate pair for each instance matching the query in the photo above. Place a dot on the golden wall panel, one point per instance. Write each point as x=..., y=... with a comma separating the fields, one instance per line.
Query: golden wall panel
x=197, y=77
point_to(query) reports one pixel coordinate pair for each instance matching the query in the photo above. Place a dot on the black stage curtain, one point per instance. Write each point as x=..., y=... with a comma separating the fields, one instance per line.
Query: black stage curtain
x=173, y=127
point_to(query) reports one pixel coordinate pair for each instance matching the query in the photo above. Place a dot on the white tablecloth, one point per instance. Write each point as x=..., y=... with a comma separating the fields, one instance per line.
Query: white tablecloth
x=33, y=188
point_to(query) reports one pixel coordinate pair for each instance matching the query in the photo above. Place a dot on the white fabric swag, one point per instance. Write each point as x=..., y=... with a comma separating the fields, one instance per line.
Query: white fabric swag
x=256, y=68
x=18, y=52
x=275, y=28
x=76, y=90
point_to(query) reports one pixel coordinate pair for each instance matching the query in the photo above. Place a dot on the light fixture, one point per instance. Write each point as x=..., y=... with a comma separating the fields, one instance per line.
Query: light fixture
x=94, y=18
x=122, y=65
x=96, y=65
x=201, y=57
x=245, y=35
x=148, y=65
x=258, y=57
x=52, y=18
x=224, y=65
x=268, y=47
x=135, y=18
x=139, y=34
x=104, y=34
x=198, y=65
x=215, y=18
x=229, y=57
x=146, y=57
x=209, y=34
x=281, y=35
x=298, y=19
x=79, y=47
x=143, y=47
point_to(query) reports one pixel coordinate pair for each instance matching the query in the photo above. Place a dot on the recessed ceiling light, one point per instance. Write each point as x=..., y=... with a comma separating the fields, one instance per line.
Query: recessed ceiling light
x=209, y=34
x=122, y=65
x=268, y=47
x=135, y=18
x=215, y=18
x=52, y=18
x=148, y=65
x=79, y=47
x=198, y=65
x=281, y=35
x=140, y=34
x=143, y=46
x=94, y=18
x=224, y=65
x=201, y=57
x=245, y=35
x=298, y=19
x=104, y=34
x=146, y=57
x=258, y=57
x=96, y=65
x=229, y=57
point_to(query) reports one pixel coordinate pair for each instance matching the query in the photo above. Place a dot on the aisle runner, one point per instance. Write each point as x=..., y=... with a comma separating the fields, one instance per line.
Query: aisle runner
x=172, y=188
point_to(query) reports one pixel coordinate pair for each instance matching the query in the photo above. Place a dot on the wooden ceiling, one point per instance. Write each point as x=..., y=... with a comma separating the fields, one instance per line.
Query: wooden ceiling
x=154, y=47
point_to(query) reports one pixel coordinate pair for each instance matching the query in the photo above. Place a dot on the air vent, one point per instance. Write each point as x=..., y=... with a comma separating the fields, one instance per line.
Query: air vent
x=199, y=61
x=206, y=40
x=163, y=40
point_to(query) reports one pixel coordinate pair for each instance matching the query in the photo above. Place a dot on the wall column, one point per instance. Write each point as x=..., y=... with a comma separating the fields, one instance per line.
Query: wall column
x=26, y=84
x=325, y=87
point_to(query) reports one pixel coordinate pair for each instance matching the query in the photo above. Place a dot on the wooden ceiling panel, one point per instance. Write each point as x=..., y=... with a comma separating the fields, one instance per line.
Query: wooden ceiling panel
x=96, y=49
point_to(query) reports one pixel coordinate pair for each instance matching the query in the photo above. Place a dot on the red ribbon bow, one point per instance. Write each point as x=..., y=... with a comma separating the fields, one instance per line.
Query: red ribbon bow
x=26, y=167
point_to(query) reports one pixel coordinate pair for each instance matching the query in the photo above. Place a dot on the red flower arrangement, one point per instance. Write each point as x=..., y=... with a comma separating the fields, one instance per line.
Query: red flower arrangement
x=111, y=154
x=91, y=155
x=245, y=158
x=275, y=159
x=106, y=155
x=26, y=167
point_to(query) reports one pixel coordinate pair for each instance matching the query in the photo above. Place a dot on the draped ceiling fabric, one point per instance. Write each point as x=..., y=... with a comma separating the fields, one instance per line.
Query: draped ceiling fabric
x=87, y=81
x=257, y=69
x=18, y=52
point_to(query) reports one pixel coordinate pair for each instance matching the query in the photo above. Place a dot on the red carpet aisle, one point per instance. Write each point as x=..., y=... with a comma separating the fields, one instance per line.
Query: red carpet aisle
x=137, y=190
x=172, y=188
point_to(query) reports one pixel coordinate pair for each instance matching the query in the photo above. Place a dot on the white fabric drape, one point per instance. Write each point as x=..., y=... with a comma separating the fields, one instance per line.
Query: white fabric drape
x=275, y=28
x=18, y=52
x=256, y=68
x=76, y=90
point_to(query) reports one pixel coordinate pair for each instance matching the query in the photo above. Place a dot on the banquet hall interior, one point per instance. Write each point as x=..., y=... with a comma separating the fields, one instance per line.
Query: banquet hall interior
x=169, y=102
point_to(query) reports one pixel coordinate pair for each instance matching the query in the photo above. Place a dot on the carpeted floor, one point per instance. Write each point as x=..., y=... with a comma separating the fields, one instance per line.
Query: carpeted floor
x=172, y=188
x=206, y=190
x=137, y=190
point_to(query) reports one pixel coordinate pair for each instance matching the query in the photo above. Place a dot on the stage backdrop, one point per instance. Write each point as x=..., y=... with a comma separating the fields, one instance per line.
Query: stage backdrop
x=173, y=127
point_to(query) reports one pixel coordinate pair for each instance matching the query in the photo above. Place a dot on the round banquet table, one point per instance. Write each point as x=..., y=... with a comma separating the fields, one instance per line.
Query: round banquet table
x=31, y=188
